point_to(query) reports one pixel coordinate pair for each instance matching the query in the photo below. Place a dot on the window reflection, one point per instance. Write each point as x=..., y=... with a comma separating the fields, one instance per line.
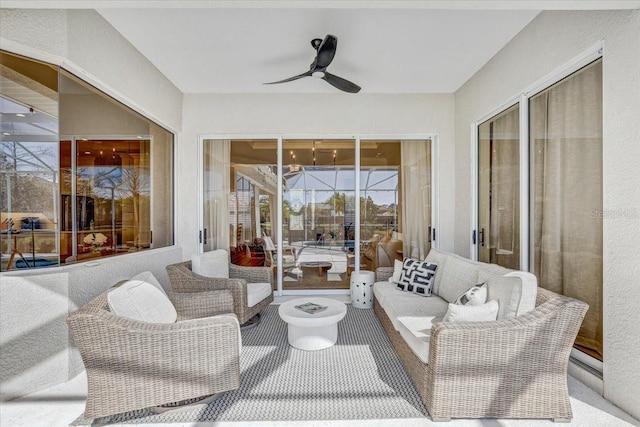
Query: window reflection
x=82, y=176
x=113, y=183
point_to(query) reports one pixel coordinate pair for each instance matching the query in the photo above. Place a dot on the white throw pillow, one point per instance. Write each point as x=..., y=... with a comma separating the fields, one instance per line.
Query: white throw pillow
x=475, y=295
x=397, y=271
x=141, y=300
x=211, y=264
x=472, y=313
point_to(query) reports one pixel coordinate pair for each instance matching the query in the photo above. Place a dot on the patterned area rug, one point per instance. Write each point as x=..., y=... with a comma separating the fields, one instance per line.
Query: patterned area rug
x=358, y=378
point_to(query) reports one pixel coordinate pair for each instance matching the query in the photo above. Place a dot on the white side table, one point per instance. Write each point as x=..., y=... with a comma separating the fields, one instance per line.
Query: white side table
x=312, y=331
x=362, y=289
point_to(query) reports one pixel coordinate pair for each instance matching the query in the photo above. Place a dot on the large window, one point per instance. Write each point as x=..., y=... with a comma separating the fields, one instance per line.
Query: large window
x=82, y=176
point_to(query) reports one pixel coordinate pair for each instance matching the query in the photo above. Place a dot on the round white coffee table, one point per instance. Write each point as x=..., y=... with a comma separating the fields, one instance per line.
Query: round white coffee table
x=312, y=331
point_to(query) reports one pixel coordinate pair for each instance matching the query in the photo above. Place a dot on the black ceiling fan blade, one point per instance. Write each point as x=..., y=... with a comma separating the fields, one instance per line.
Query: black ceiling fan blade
x=326, y=51
x=290, y=79
x=340, y=83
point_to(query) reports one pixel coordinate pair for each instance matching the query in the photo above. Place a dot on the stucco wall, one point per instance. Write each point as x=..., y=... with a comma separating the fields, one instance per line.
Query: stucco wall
x=35, y=347
x=551, y=40
x=87, y=45
x=315, y=115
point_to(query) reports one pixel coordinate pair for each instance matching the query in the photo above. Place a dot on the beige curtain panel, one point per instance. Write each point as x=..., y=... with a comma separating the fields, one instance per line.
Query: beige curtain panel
x=566, y=129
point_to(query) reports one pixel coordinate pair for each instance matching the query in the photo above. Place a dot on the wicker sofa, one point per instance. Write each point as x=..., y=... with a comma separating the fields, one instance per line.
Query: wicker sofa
x=507, y=368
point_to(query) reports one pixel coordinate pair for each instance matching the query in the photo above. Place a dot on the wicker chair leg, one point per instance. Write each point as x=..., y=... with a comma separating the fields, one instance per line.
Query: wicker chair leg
x=253, y=322
x=190, y=405
x=440, y=419
x=561, y=420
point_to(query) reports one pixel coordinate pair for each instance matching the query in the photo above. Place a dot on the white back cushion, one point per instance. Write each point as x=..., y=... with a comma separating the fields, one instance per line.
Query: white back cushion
x=397, y=271
x=439, y=258
x=515, y=293
x=459, y=275
x=268, y=243
x=141, y=300
x=211, y=264
x=148, y=277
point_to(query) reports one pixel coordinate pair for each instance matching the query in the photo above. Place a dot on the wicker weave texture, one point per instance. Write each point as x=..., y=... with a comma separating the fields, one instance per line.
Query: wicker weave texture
x=511, y=368
x=183, y=279
x=132, y=365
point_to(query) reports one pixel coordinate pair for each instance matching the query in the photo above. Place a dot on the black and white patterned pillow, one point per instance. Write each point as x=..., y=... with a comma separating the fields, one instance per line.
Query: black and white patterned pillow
x=475, y=295
x=417, y=277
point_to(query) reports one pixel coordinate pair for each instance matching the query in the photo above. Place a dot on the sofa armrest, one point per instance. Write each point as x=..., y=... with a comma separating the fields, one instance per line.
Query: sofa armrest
x=502, y=359
x=383, y=273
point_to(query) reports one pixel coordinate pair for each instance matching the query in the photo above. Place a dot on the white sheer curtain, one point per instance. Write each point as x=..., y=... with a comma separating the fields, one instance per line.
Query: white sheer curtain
x=416, y=197
x=216, y=193
x=566, y=134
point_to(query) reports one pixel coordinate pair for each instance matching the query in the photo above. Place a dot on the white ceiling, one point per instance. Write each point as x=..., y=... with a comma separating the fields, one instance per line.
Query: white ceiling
x=385, y=46
x=381, y=50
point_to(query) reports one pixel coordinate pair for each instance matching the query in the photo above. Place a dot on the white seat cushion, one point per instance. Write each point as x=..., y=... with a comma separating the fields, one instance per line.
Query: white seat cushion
x=211, y=264
x=383, y=289
x=256, y=292
x=398, y=304
x=416, y=332
x=141, y=300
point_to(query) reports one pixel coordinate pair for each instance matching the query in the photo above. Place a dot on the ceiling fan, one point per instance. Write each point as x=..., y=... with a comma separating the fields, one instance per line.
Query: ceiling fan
x=325, y=51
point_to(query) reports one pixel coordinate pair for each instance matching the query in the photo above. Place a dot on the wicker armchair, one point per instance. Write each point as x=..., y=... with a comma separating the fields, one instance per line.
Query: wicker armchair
x=184, y=280
x=132, y=364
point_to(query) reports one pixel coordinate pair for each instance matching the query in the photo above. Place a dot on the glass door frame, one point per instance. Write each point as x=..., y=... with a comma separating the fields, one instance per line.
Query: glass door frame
x=357, y=138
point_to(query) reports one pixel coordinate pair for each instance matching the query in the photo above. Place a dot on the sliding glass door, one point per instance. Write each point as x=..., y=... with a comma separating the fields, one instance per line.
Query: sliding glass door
x=330, y=226
x=565, y=194
x=319, y=212
x=566, y=200
x=498, y=235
